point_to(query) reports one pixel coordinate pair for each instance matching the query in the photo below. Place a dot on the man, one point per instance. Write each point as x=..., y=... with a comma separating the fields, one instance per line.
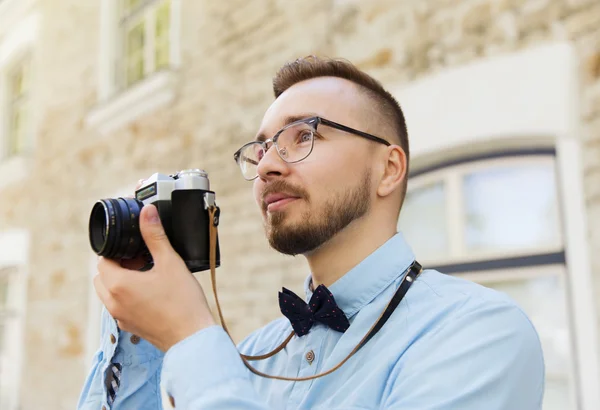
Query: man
x=329, y=166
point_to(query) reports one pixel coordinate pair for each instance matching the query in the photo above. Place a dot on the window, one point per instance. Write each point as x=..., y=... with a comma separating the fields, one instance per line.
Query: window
x=497, y=222
x=145, y=27
x=139, y=52
x=18, y=115
x=9, y=322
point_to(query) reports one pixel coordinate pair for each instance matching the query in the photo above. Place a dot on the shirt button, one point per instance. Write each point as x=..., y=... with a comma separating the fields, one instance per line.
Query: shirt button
x=113, y=339
x=135, y=339
x=310, y=356
x=172, y=401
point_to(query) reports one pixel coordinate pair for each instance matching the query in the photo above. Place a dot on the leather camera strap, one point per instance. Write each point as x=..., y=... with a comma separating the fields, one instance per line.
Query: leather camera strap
x=413, y=272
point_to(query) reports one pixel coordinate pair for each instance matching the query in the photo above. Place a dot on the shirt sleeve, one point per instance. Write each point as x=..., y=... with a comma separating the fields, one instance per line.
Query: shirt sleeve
x=205, y=371
x=488, y=357
x=139, y=378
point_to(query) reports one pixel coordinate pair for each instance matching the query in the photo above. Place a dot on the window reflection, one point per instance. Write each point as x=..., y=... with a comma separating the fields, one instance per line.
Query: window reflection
x=511, y=207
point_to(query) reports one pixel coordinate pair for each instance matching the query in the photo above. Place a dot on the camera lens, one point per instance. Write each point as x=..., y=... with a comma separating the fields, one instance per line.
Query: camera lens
x=114, y=228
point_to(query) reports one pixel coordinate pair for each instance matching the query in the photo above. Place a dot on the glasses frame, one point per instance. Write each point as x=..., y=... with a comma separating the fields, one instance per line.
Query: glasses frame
x=314, y=122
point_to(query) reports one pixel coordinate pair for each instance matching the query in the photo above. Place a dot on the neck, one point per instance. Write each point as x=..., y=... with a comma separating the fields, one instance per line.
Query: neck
x=348, y=248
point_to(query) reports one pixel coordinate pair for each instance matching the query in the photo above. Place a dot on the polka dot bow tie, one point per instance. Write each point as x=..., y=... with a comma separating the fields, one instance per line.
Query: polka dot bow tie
x=321, y=308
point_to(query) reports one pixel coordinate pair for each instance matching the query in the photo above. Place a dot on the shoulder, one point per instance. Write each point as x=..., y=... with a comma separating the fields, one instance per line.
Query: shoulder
x=456, y=295
x=266, y=338
x=459, y=329
x=453, y=306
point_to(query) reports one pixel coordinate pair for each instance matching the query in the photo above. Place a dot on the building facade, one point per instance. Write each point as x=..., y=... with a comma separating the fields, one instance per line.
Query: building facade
x=502, y=100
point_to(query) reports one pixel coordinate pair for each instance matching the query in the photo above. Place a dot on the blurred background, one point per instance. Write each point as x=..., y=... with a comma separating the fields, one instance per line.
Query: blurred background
x=502, y=100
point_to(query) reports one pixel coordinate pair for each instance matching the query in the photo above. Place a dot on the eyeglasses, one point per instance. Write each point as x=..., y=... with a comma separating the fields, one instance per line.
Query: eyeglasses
x=293, y=143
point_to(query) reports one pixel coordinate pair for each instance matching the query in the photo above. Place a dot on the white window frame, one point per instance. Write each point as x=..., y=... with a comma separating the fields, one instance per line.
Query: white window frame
x=118, y=107
x=504, y=102
x=452, y=177
x=19, y=25
x=14, y=253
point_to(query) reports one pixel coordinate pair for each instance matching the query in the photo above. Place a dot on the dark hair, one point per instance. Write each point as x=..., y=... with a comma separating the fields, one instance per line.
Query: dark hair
x=313, y=67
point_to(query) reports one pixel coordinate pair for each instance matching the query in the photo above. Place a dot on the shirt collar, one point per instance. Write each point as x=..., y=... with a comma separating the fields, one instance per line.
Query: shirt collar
x=363, y=283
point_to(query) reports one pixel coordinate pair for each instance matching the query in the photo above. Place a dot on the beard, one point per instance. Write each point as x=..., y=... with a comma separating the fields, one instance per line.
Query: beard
x=320, y=225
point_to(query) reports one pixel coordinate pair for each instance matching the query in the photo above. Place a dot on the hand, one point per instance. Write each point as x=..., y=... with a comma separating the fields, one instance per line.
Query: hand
x=163, y=305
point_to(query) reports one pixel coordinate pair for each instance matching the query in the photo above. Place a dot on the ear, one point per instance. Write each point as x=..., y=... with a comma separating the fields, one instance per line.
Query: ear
x=394, y=171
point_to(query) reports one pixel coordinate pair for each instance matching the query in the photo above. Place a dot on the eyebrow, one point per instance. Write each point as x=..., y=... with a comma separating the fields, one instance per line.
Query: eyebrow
x=288, y=120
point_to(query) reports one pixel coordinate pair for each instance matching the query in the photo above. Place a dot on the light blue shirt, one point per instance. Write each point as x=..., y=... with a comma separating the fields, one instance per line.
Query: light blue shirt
x=450, y=344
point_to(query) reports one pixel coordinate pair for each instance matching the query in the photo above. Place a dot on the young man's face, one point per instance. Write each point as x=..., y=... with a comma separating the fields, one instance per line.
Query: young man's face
x=307, y=203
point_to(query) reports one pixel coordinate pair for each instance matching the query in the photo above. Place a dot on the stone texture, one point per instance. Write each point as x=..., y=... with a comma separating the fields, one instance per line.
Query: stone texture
x=230, y=50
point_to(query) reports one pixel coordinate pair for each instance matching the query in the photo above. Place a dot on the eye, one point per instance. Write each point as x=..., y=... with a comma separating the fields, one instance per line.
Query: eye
x=305, y=136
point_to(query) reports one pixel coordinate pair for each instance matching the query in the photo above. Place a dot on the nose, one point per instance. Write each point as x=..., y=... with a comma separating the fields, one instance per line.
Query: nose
x=271, y=165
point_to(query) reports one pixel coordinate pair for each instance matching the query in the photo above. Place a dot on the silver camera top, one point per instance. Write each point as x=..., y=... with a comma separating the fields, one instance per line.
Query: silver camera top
x=159, y=186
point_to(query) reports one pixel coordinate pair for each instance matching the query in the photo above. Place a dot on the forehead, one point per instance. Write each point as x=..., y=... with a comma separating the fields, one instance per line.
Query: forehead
x=333, y=98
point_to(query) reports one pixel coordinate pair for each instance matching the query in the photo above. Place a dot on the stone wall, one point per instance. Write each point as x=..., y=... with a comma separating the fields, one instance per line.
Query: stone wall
x=230, y=50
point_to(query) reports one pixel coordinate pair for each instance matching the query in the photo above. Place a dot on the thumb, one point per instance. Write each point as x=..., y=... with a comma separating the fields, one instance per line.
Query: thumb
x=153, y=233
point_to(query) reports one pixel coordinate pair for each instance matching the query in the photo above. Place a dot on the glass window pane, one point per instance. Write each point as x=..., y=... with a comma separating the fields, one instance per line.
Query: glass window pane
x=423, y=221
x=17, y=110
x=129, y=6
x=511, y=207
x=135, y=53
x=543, y=300
x=2, y=336
x=17, y=138
x=162, y=35
x=18, y=82
x=4, y=286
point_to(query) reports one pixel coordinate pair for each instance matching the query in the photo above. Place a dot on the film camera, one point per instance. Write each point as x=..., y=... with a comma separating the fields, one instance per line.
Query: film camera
x=183, y=201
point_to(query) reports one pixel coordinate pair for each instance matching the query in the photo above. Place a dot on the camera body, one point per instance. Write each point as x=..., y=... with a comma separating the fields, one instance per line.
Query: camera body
x=182, y=200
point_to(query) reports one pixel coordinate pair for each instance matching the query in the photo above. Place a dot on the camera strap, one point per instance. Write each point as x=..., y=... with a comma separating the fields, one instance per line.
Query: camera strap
x=413, y=272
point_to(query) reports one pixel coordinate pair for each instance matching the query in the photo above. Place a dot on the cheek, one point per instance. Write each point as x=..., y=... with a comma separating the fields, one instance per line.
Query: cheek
x=337, y=168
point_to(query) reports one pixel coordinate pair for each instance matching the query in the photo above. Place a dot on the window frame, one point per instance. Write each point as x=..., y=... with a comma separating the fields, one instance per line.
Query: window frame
x=145, y=15
x=509, y=265
x=19, y=24
x=451, y=175
x=119, y=105
x=14, y=254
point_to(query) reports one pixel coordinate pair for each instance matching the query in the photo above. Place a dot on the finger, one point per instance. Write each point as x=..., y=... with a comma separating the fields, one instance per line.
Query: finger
x=134, y=264
x=154, y=234
x=111, y=273
x=104, y=295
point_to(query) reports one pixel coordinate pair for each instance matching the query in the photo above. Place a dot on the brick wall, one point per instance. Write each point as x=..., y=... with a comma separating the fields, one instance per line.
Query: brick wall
x=230, y=51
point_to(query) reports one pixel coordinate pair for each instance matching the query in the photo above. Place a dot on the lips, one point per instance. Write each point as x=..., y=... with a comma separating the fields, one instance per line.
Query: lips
x=277, y=200
x=271, y=198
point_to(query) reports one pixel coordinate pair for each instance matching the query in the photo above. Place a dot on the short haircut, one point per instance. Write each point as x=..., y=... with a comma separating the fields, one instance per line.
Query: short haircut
x=313, y=67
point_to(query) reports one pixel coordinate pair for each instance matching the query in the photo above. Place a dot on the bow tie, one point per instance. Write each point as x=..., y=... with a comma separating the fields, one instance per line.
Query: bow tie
x=321, y=308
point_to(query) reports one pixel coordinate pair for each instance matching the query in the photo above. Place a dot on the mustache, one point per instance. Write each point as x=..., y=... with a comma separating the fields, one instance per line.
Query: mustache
x=283, y=187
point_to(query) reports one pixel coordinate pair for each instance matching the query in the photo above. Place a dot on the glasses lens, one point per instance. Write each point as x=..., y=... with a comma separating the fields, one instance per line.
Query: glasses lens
x=295, y=142
x=248, y=160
